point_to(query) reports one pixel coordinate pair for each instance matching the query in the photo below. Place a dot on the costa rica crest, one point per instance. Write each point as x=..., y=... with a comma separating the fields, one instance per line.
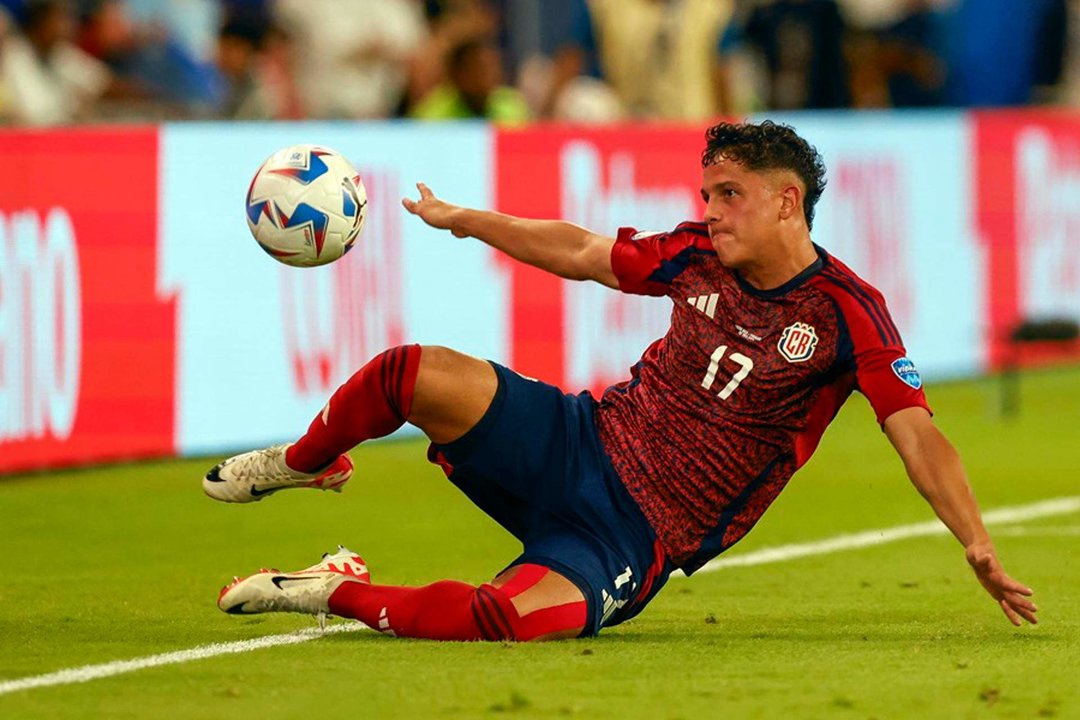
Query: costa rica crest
x=797, y=342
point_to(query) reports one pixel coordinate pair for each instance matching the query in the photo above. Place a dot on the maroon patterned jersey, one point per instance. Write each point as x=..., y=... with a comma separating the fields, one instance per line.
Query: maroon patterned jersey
x=723, y=409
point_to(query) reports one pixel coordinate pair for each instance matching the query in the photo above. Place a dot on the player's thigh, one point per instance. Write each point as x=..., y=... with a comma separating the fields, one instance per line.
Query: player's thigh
x=452, y=392
x=550, y=591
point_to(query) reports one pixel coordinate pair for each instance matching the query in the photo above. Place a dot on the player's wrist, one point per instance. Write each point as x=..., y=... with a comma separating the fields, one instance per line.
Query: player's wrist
x=974, y=551
x=463, y=222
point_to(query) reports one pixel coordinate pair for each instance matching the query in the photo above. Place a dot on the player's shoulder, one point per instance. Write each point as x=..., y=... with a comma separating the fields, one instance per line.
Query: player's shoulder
x=861, y=304
x=688, y=233
x=840, y=282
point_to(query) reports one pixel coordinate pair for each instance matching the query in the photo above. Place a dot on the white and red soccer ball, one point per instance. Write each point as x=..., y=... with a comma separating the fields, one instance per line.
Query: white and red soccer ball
x=306, y=205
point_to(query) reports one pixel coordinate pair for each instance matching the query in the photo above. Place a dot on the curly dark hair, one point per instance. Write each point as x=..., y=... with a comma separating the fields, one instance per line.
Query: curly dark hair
x=768, y=146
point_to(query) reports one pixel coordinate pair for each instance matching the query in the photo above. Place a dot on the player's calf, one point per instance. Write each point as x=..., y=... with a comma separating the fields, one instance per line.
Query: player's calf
x=449, y=610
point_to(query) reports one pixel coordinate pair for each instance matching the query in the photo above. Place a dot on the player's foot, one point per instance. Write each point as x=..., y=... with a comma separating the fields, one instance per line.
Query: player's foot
x=304, y=591
x=256, y=474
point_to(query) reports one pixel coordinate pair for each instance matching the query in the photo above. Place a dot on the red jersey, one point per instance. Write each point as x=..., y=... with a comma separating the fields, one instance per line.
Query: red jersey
x=734, y=398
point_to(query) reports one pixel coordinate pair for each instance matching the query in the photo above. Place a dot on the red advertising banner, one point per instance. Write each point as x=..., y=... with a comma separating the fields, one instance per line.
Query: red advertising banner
x=647, y=177
x=1027, y=210
x=87, y=346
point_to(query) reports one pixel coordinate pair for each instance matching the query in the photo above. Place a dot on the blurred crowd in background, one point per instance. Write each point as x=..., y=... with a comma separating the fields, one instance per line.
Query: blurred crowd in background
x=511, y=61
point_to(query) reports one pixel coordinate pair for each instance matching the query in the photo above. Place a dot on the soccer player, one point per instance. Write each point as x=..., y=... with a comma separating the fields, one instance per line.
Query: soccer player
x=769, y=336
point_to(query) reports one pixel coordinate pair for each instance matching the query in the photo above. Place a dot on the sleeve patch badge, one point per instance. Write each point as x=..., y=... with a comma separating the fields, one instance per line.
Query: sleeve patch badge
x=797, y=342
x=905, y=370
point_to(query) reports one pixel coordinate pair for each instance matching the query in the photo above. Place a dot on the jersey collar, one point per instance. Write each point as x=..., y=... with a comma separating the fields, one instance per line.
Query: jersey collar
x=813, y=269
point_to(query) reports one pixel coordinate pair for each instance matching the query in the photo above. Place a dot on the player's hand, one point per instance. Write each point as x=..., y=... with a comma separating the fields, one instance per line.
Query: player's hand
x=1011, y=596
x=433, y=211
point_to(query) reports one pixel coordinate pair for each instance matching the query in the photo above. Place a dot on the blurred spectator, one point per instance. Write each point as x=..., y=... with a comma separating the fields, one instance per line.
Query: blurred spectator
x=901, y=62
x=555, y=61
x=239, y=47
x=452, y=23
x=5, y=94
x=353, y=56
x=1000, y=50
x=47, y=79
x=474, y=88
x=1070, y=74
x=158, y=67
x=254, y=55
x=658, y=55
x=1053, y=49
x=176, y=44
x=800, y=46
x=911, y=57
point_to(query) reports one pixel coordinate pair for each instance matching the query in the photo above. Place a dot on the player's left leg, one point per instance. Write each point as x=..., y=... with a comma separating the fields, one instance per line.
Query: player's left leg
x=440, y=391
x=524, y=603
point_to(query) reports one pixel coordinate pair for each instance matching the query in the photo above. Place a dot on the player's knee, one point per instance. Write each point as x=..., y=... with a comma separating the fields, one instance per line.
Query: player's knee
x=453, y=390
x=498, y=618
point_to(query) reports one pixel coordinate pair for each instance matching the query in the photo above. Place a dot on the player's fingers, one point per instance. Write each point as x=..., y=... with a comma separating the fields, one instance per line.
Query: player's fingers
x=1010, y=585
x=425, y=191
x=1009, y=613
x=409, y=204
x=1027, y=614
x=1019, y=601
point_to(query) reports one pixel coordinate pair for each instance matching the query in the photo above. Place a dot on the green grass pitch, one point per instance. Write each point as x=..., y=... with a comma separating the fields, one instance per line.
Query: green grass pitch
x=119, y=563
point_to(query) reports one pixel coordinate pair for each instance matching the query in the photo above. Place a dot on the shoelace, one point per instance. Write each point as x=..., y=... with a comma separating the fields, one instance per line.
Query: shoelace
x=267, y=465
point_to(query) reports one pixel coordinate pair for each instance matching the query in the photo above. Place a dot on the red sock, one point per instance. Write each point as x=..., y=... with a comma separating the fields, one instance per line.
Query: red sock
x=445, y=610
x=374, y=402
x=451, y=610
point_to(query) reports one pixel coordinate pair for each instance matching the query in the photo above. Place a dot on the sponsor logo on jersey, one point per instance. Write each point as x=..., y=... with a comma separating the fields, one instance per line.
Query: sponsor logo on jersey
x=905, y=370
x=705, y=303
x=797, y=342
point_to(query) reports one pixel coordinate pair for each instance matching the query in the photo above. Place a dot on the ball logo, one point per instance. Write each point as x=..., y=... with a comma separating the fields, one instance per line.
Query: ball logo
x=905, y=370
x=797, y=342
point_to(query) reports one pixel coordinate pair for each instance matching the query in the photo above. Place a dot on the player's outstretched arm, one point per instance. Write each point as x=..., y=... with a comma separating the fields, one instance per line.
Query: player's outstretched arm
x=936, y=471
x=562, y=248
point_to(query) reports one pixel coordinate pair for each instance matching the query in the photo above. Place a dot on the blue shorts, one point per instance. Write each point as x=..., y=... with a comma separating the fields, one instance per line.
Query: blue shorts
x=535, y=464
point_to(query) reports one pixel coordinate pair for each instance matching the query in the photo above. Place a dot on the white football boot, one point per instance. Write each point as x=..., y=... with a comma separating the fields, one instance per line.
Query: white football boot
x=305, y=591
x=253, y=475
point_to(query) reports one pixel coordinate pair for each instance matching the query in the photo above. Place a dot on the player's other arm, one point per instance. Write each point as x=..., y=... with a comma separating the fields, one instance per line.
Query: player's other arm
x=936, y=471
x=561, y=248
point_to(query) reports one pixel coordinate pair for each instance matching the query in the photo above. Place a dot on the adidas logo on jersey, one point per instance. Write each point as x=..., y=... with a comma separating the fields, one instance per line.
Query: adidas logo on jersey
x=705, y=303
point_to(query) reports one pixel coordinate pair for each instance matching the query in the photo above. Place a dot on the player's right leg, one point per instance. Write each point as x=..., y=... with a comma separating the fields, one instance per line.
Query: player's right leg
x=441, y=391
x=527, y=602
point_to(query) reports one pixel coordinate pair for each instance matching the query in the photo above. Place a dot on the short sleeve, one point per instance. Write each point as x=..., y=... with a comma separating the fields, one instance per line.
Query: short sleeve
x=889, y=380
x=647, y=263
x=883, y=371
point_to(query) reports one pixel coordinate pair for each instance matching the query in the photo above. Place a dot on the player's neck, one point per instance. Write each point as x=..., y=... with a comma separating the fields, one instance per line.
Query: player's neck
x=774, y=272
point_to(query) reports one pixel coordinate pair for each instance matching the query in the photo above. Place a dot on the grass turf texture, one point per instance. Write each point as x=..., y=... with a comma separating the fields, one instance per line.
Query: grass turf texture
x=124, y=562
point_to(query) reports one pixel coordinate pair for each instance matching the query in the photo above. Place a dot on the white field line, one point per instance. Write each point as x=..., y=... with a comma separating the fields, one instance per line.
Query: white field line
x=119, y=667
x=1048, y=531
x=1016, y=514
x=867, y=538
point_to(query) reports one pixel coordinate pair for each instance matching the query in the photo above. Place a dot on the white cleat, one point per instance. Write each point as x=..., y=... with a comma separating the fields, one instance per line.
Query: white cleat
x=305, y=591
x=253, y=475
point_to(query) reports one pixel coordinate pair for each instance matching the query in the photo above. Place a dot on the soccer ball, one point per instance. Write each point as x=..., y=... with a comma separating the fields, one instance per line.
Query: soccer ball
x=305, y=205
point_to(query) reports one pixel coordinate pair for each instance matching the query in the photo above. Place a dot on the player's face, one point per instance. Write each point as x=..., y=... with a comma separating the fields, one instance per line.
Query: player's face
x=742, y=210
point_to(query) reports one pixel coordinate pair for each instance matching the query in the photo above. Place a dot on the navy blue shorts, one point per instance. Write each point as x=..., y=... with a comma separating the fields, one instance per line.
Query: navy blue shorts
x=535, y=464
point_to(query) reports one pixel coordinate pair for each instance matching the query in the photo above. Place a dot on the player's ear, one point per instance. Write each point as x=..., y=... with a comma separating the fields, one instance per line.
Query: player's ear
x=790, y=201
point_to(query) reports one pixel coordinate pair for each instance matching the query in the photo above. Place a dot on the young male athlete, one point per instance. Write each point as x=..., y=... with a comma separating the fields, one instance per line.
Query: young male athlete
x=769, y=336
